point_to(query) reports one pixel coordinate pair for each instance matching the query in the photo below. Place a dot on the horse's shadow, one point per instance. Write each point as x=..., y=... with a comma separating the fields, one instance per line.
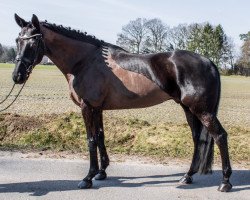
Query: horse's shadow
x=240, y=180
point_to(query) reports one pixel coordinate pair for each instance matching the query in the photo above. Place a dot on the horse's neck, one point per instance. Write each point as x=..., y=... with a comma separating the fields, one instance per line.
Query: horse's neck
x=64, y=52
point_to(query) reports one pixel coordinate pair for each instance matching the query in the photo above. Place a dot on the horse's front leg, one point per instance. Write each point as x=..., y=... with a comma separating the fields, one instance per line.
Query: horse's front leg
x=102, y=150
x=92, y=129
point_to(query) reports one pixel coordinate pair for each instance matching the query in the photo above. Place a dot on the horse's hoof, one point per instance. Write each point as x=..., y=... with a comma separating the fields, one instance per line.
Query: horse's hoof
x=225, y=187
x=85, y=184
x=186, y=179
x=101, y=175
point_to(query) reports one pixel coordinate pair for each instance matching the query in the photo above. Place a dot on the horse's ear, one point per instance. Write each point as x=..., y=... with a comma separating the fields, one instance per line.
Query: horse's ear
x=21, y=22
x=35, y=22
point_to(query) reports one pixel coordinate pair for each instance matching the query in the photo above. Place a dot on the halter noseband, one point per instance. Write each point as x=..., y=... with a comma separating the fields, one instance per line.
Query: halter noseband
x=39, y=35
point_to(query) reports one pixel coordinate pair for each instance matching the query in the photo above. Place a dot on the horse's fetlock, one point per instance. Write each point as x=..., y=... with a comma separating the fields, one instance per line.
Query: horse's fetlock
x=227, y=173
x=93, y=172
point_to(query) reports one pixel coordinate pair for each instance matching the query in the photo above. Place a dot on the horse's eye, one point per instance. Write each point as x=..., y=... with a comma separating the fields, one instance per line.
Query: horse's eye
x=16, y=40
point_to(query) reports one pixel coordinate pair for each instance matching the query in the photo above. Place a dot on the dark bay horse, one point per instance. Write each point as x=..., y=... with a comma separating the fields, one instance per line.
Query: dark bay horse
x=102, y=76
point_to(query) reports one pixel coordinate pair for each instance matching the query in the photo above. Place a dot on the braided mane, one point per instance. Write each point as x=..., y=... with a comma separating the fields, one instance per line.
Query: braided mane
x=73, y=34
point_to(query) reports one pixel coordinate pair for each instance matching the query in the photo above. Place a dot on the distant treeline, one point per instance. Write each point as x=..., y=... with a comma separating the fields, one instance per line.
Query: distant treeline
x=239, y=70
x=7, y=54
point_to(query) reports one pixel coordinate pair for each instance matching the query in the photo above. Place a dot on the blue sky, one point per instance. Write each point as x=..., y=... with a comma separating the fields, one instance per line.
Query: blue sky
x=105, y=18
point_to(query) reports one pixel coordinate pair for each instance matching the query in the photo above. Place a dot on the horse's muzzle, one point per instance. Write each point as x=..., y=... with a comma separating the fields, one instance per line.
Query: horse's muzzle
x=18, y=78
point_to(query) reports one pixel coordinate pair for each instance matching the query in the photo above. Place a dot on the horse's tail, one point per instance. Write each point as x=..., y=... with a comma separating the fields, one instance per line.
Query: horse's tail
x=206, y=152
x=206, y=142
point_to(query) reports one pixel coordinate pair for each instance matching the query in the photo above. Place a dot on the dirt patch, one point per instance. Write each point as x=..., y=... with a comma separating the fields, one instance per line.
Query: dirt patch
x=12, y=125
x=17, y=123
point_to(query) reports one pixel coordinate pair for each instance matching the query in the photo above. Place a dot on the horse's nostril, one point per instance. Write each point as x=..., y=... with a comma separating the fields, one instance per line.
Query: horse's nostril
x=18, y=77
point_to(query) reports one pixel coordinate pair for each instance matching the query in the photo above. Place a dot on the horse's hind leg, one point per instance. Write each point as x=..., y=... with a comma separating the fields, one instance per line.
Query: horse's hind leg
x=104, y=159
x=196, y=128
x=214, y=127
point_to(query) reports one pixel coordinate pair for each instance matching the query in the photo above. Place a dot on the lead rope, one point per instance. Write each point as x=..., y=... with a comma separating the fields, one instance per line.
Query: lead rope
x=14, y=98
x=8, y=94
x=29, y=70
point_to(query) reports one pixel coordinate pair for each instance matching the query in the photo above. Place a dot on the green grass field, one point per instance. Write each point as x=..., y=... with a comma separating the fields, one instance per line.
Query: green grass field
x=44, y=117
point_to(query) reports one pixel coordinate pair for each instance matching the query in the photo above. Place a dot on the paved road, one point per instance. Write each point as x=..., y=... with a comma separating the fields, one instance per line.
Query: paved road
x=56, y=179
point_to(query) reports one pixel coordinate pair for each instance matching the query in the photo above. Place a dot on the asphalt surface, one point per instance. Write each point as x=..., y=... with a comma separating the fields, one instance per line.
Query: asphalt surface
x=57, y=179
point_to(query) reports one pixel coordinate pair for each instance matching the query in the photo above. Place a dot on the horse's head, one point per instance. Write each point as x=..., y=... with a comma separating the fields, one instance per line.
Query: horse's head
x=30, y=48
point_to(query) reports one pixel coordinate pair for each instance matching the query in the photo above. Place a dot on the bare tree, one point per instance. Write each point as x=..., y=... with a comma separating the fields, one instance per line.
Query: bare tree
x=179, y=36
x=133, y=35
x=157, y=37
x=229, y=56
x=244, y=60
